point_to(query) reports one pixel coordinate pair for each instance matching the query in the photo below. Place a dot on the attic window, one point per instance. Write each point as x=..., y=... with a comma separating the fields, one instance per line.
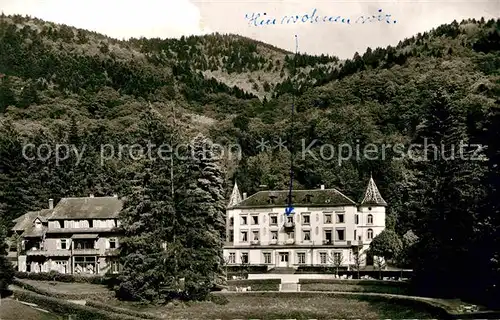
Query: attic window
x=271, y=199
x=327, y=201
x=308, y=198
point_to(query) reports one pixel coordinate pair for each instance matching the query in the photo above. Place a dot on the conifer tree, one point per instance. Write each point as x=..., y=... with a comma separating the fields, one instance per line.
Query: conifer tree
x=200, y=204
x=146, y=254
x=6, y=270
x=446, y=195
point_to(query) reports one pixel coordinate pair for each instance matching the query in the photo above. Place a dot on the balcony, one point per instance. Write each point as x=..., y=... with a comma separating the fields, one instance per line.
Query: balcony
x=327, y=241
x=274, y=241
x=290, y=241
x=289, y=225
x=49, y=253
x=92, y=252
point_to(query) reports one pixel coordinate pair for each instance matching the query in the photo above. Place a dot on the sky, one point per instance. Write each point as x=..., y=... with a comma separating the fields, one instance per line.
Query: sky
x=123, y=19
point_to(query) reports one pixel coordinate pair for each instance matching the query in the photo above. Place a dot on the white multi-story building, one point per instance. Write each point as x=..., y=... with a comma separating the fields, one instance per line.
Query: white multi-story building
x=325, y=226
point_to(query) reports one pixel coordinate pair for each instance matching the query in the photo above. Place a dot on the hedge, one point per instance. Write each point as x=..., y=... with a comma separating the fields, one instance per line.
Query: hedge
x=69, y=296
x=357, y=282
x=109, y=280
x=66, y=308
x=107, y=307
x=371, y=273
x=256, y=285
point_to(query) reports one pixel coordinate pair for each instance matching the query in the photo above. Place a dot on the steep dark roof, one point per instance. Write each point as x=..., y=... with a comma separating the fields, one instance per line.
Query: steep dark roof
x=372, y=195
x=26, y=220
x=87, y=208
x=319, y=197
x=26, y=224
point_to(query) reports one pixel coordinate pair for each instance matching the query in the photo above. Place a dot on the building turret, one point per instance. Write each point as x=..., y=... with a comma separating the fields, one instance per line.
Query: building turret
x=235, y=198
x=371, y=213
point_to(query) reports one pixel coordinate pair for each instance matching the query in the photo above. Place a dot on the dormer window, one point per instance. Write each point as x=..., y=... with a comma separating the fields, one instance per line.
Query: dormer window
x=272, y=199
x=308, y=198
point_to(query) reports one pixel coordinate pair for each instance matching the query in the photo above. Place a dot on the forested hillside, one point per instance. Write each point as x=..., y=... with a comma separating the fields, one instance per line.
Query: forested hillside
x=64, y=85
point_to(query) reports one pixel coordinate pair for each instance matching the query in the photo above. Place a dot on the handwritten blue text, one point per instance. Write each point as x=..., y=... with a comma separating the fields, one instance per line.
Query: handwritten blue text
x=257, y=19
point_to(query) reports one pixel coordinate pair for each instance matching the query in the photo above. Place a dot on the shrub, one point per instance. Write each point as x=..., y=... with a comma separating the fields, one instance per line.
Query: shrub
x=218, y=299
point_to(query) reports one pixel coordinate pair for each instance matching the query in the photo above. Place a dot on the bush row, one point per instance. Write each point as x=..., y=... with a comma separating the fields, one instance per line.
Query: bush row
x=66, y=308
x=69, y=296
x=256, y=285
x=354, y=288
x=354, y=274
x=357, y=282
x=109, y=280
x=107, y=307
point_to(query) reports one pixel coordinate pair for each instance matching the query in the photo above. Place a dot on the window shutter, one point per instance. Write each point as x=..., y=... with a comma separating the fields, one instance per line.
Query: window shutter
x=58, y=243
x=107, y=243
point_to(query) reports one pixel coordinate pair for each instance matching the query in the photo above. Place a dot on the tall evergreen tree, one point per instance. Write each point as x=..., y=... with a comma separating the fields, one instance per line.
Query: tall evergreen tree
x=6, y=270
x=147, y=255
x=201, y=207
x=446, y=196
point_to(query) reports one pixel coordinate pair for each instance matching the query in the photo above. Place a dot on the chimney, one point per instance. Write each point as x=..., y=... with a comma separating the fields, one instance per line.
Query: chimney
x=322, y=187
x=91, y=195
x=244, y=195
x=51, y=203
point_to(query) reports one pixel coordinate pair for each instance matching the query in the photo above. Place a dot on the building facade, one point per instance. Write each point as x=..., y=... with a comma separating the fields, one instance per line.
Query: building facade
x=77, y=236
x=325, y=228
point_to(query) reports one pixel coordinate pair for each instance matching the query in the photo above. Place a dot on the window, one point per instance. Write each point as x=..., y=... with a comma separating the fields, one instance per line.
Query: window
x=231, y=236
x=355, y=232
x=328, y=236
x=307, y=235
x=340, y=218
x=322, y=257
x=244, y=257
x=340, y=234
x=356, y=219
x=64, y=244
x=115, y=267
x=232, y=257
x=112, y=243
x=274, y=235
x=274, y=219
x=369, y=234
x=306, y=219
x=369, y=219
x=255, y=219
x=328, y=218
x=231, y=221
x=243, y=220
x=289, y=219
x=267, y=257
x=244, y=236
x=337, y=258
x=289, y=235
x=301, y=257
x=256, y=236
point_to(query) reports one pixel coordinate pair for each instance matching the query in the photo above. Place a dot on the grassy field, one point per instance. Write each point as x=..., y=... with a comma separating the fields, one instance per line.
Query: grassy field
x=274, y=305
x=14, y=310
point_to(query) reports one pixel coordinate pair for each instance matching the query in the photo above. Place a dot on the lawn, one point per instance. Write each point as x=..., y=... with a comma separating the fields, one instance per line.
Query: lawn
x=14, y=310
x=273, y=305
